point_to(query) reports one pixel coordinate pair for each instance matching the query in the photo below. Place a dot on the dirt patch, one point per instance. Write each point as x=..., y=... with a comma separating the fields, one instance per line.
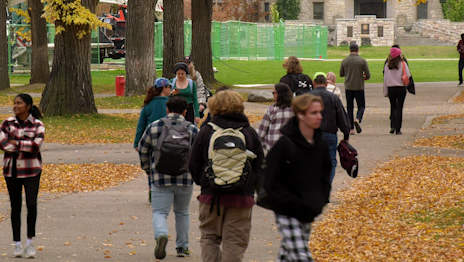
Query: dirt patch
x=33, y=88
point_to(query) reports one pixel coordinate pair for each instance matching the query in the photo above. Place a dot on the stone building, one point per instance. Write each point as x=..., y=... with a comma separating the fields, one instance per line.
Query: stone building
x=403, y=12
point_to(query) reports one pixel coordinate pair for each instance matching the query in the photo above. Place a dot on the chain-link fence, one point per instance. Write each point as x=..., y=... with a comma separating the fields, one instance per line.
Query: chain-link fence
x=229, y=40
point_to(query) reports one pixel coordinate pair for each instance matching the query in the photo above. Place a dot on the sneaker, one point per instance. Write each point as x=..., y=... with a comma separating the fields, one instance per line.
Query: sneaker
x=182, y=252
x=460, y=84
x=160, y=250
x=357, y=126
x=18, y=252
x=29, y=252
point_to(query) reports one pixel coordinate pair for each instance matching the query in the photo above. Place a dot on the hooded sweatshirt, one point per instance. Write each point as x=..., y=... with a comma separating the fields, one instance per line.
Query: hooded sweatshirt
x=297, y=178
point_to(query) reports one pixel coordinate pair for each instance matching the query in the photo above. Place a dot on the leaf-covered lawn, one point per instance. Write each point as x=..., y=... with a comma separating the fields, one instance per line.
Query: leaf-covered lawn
x=76, y=178
x=445, y=118
x=447, y=141
x=410, y=209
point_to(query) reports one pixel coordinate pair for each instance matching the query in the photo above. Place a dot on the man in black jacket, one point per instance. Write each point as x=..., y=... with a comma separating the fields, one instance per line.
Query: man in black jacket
x=334, y=117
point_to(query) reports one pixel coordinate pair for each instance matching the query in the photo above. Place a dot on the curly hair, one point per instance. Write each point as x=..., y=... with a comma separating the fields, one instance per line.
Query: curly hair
x=226, y=102
x=292, y=65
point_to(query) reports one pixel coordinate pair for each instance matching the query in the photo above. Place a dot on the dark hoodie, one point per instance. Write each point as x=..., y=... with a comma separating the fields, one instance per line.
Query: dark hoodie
x=199, y=155
x=298, y=174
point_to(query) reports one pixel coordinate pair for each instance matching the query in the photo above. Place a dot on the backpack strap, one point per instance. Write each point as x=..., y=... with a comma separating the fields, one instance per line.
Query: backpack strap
x=174, y=80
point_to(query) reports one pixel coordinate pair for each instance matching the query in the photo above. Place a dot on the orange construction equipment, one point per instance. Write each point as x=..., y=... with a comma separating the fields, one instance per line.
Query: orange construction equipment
x=120, y=85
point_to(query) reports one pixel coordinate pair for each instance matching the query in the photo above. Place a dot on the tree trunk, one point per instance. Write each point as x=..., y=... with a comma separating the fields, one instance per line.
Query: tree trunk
x=140, y=51
x=39, y=69
x=173, y=35
x=202, y=54
x=69, y=89
x=4, y=79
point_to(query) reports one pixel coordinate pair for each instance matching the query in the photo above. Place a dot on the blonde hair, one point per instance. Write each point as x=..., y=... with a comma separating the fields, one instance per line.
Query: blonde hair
x=226, y=102
x=301, y=103
x=331, y=77
x=293, y=66
x=193, y=74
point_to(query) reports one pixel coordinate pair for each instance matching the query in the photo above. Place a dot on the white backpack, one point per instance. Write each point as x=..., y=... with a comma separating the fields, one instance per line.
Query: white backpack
x=228, y=159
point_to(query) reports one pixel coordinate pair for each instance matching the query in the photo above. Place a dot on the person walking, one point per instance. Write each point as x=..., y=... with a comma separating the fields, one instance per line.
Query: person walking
x=333, y=118
x=172, y=183
x=276, y=116
x=21, y=138
x=355, y=70
x=298, y=82
x=460, y=49
x=297, y=179
x=201, y=89
x=154, y=108
x=184, y=87
x=394, y=88
x=230, y=224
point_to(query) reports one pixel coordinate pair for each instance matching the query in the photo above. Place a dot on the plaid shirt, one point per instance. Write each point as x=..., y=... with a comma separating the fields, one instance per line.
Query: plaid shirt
x=30, y=137
x=147, y=147
x=273, y=120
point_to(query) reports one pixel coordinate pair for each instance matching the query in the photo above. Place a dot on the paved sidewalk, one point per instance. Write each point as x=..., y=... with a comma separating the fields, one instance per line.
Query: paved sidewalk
x=116, y=223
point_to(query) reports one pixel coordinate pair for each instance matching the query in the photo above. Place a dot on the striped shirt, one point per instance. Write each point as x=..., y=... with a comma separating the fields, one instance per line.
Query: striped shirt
x=273, y=120
x=147, y=146
x=30, y=136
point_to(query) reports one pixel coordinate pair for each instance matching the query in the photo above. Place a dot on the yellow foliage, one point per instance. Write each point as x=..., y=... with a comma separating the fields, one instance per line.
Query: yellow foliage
x=71, y=14
x=24, y=34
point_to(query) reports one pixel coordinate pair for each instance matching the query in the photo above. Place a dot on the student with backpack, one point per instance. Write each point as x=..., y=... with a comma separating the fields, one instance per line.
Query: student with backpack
x=164, y=152
x=295, y=79
x=186, y=88
x=226, y=155
x=297, y=178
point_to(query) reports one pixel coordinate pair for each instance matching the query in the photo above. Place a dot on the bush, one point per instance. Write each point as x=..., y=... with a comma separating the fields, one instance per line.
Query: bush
x=454, y=10
x=366, y=42
x=288, y=9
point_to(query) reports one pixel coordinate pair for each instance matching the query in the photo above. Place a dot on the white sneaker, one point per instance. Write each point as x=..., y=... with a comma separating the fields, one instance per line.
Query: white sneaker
x=29, y=252
x=18, y=252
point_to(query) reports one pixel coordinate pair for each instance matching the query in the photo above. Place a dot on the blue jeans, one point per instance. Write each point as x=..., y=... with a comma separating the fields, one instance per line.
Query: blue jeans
x=162, y=198
x=332, y=141
x=351, y=95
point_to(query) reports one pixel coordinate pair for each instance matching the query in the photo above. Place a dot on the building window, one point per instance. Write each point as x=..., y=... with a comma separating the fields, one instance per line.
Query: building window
x=422, y=11
x=349, y=31
x=380, y=31
x=318, y=11
x=267, y=10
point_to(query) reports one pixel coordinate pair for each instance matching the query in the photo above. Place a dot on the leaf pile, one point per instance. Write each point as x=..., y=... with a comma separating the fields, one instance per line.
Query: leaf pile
x=407, y=210
x=74, y=178
x=459, y=98
x=445, y=118
x=82, y=129
x=448, y=141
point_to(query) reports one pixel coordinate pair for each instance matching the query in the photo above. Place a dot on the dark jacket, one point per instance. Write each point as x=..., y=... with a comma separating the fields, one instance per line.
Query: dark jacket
x=199, y=155
x=288, y=79
x=298, y=174
x=334, y=115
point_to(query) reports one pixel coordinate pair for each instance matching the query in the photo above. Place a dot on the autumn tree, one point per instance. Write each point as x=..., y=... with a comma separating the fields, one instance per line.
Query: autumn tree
x=289, y=9
x=4, y=79
x=173, y=35
x=140, y=51
x=69, y=89
x=243, y=10
x=202, y=11
x=39, y=69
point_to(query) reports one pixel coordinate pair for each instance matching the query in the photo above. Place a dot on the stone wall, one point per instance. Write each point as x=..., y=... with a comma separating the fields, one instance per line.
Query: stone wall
x=442, y=29
x=374, y=23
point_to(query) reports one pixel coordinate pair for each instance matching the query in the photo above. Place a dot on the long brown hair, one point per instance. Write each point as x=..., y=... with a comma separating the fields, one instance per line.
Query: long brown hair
x=393, y=62
x=292, y=65
x=152, y=92
x=284, y=95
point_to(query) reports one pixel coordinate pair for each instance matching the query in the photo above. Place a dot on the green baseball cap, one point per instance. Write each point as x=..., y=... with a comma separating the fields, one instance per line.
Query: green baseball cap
x=320, y=74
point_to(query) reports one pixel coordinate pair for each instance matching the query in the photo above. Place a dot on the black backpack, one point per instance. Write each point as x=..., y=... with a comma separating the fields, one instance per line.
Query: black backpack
x=299, y=84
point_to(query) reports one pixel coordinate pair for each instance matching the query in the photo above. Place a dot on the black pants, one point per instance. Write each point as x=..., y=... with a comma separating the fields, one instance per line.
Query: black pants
x=190, y=116
x=397, y=95
x=461, y=67
x=15, y=187
x=351, y=95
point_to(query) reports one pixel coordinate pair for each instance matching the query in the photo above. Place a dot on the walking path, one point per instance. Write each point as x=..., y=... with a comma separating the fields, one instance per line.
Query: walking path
x=116, y=223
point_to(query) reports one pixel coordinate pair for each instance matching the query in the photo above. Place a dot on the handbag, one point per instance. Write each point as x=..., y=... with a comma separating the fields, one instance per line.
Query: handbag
x=410, y=87
x=405, y=78
x=348, y=158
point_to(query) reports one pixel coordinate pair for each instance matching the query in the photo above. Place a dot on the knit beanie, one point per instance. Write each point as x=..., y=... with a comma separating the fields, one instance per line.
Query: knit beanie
x=394, y=52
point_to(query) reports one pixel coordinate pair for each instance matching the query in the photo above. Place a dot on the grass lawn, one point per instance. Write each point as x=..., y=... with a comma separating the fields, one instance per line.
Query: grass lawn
x=270, y=72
